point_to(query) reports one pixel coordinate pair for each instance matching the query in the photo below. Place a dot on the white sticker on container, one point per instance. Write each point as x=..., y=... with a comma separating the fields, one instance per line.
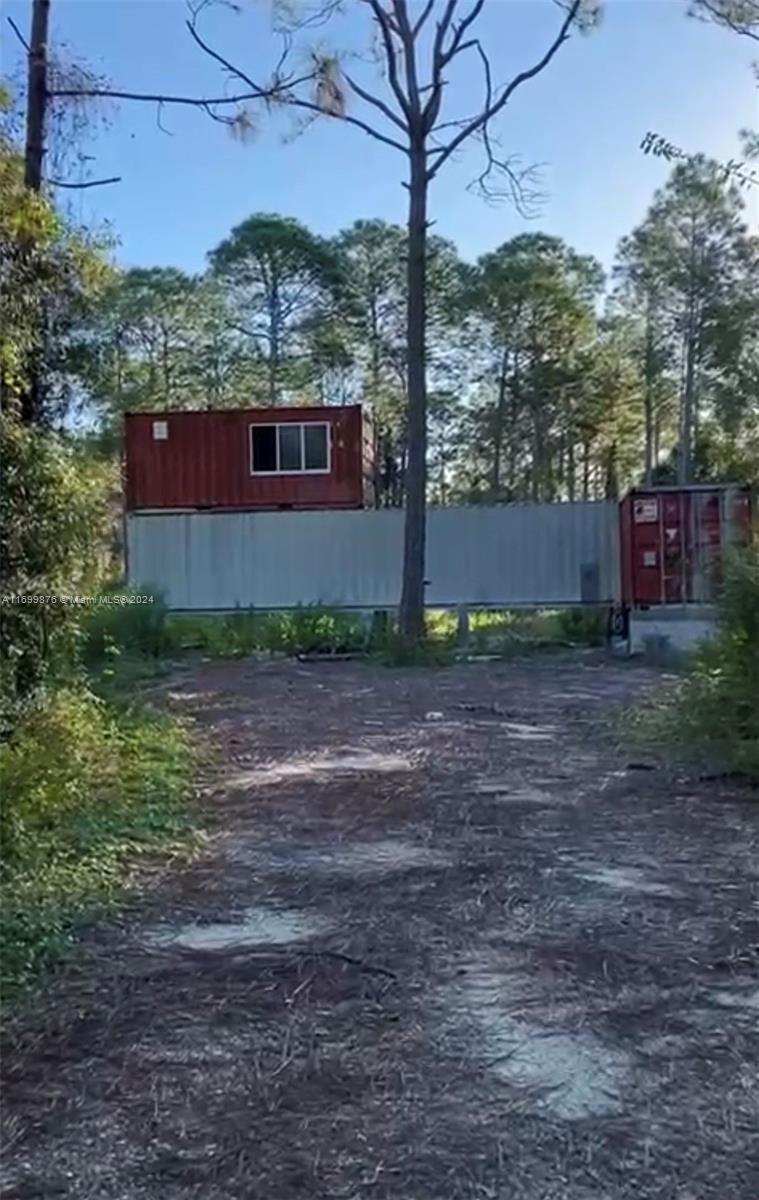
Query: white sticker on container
x=160, y=431
x=646, y=510
x=649, y=558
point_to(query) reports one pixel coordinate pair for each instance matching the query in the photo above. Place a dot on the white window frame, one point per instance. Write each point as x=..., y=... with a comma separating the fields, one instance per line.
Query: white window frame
x=302, y=426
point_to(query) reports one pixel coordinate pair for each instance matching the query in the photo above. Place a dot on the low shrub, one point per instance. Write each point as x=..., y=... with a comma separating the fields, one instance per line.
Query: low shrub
x=395, y=651
x=304, y=630
x=55, y=520
x=583, y=626
x=119, y=624
x=85, y=789
x=216, y=635
x=508, y=633
x=712, y=710
x=314, y=630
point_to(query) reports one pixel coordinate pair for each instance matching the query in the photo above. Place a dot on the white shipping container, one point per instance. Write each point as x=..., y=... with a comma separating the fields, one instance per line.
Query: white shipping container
x=509, y=556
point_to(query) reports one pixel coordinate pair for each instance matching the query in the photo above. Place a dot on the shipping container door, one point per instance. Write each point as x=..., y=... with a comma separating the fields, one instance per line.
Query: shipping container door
x=706, y=521
x=674, y=535
x=646, y=550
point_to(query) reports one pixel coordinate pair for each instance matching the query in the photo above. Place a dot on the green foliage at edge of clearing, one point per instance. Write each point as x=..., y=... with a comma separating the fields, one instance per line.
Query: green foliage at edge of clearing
x=712, y=710
x=116, y=635
x=87, y=789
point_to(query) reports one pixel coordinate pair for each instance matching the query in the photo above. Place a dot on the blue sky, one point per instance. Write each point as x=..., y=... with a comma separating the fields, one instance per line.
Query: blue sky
x=647, y=67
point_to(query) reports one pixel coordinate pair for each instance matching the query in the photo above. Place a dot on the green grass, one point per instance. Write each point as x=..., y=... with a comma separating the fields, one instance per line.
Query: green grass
x=509, y=632
x=152, y=634
x=302, y=630
x=87, y=789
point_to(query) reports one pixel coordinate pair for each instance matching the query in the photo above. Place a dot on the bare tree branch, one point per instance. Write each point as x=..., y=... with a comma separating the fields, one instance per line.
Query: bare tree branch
x=272, y=91
x=390, y=54
x=310, y=106
x=160, y=98
x=19, y=34
x=88, y=183
x=409, y=54
x=422, y=18
x=283, y=90
x=461, y=29
x=376, y=102
x=722, y=16
x=235, y=71
x=500, y=102
x=521, y=186
x=443, y=26
x=160, y=123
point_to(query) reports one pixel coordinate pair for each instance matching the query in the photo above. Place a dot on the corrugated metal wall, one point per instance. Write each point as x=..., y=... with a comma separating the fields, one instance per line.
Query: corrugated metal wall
x=531, y=554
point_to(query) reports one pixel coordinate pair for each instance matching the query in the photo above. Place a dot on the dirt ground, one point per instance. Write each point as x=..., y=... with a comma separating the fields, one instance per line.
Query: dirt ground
x=446, y=941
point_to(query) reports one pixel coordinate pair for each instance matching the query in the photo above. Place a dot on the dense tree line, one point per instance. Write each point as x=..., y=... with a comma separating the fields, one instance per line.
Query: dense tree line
x=547, y=380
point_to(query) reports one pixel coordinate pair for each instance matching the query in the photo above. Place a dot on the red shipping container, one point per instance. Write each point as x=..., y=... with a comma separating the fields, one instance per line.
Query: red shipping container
x=671, y=539
x=265, y=458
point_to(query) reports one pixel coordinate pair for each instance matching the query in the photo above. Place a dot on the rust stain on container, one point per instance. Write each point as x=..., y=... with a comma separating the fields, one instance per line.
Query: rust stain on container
x=262, y=458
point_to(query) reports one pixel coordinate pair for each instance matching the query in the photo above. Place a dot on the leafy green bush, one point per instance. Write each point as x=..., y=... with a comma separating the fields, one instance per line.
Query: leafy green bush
x=394, y=651
x=312, y=629
x=583, y=626
x=54, y=521
x=85, y=789
x=508, y=633
x=713, y=710
x=118, y=626
x=301, y=630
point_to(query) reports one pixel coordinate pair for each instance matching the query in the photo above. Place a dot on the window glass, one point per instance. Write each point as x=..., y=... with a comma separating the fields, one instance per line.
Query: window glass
x=289, y=448
x=264, y=447
x=315, y=445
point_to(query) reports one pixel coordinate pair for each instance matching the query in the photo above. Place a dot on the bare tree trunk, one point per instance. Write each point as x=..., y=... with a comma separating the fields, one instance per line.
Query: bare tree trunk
x=36, y=97
x=515, y=402
x=165, y=368
x=36, y=107
x=411, y=616
x=685, y=457
x=119, y=372
x=500, y=421
x=397, y=473
x=537, y=457
x=611, y=480
x=649, y=392
x=375, y=378
x=695, y=409
x=586, y=470
x=560, y=450
x=571, y=468
x=274, y=343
